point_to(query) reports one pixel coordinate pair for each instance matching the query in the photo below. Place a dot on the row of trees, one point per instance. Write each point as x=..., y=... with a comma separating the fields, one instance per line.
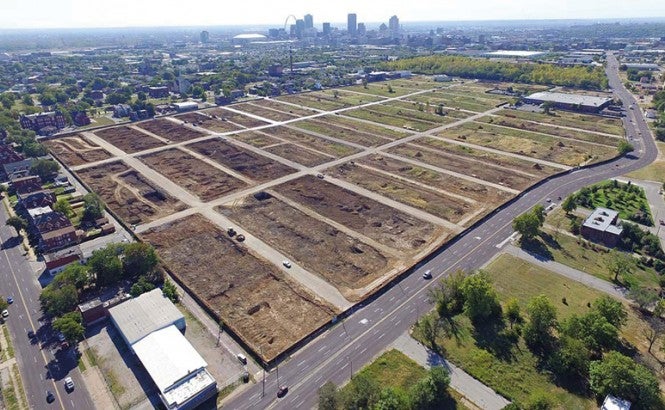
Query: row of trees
x=485, y=69
x=430, y=392
x=580, y=351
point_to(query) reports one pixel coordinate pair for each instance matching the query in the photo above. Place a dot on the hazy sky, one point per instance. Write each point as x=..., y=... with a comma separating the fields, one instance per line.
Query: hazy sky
x=127, y=13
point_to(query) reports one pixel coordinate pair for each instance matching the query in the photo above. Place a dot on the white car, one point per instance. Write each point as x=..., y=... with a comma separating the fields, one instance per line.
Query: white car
x=69, y=384
x=427, y=274
x=286, y=263
x=5, y=313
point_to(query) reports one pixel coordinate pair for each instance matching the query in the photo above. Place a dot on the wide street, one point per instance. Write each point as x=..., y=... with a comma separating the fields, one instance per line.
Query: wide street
x=354, y=341
x=42, y=366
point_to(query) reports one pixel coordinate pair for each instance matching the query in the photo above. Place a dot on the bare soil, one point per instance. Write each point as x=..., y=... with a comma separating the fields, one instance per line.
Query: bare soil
x=342, y=260
x=365, y=127
x=266, y=309
x=264, y=112
x=380, y=222
x=248, y=163
x=243, y=120
x=76, y=150
x=129, y=194
x=342, y=133
x=336, y=149
x=204, y=180
x=170, y=130
x=207, y=121
x=128, y=139
x=256, y=138
x=299, y=112
x=299, y=154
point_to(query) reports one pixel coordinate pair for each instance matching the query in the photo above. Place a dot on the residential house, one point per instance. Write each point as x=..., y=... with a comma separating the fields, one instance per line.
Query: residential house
x=80, y=118
x=58, y=260
x=53, y=231
x=25, y=185
x=43, y=122
x=158, y=92
x=37, y=199
x=602, y=226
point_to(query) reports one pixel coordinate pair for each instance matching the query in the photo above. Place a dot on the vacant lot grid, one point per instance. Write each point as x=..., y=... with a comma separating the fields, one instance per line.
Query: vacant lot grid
x=76, y=150
x=170, y=130
x=342, y=260
x=348, y=99
x=570, y=119
x=469, y=103
x=431, y=109
x=326, y=146
x=245, y=162
x=203, y=180
x=431, y=201
x=127, y=193
x=384, y=89
x=488, y=196
x=128, y=139
x=264, y=112
x=423, y=112
x=256, y=138
x=261, y=305
x=465, y=166
x=363, y=126
x=380, y=222
x=207, y=121
x=299, y=154
x=288, y=108
x=326, y=128
x=539, y=146
x=243, y=120
x=401, y=120
x=312, y=102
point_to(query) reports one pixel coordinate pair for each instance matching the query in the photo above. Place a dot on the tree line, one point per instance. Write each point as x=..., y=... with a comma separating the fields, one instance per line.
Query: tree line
x=485, y=69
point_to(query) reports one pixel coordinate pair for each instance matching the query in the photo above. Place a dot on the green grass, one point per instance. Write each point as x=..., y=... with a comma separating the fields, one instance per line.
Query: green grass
x=90, y=355
x=9, y=396
x=613, y=195
x=19, y=384
x=653, y=172
x=10, y=348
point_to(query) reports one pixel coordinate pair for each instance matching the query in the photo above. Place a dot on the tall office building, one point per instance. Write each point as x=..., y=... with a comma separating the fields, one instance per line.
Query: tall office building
x=205, y=37
x=351, y=24
x=309, y=21
x=393, y=26
x=300, y=28
x=361, y=29
x=326, y=29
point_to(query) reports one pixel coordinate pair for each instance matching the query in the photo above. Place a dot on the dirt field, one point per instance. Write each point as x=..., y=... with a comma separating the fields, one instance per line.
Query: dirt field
x=298, y=154
x=299, y=112
x=243, y=120
x=342, y=260
x=208, y=122
x=129, y=194
x=249, y=164
x=203, y=180
x=264, y=112
x=345, y=134
x=170, y=130
x=365, y=127
x=76, y=150
x=256, y=138
x=323, y=145
x=253, y=298
x=569, y=119
x=128, y=139
x=384, y=224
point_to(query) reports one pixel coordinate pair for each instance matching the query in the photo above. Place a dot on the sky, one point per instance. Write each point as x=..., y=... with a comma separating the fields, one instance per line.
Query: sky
x=146, y=13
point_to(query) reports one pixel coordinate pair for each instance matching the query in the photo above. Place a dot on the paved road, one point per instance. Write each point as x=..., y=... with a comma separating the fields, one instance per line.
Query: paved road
x=356, y=340
x=40, y=368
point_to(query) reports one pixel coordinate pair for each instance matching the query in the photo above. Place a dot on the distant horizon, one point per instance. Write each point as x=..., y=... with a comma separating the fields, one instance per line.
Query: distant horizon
x=97, y=14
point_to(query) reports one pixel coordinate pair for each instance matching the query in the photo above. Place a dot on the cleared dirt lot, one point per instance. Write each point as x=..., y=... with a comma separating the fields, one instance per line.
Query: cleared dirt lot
x=382, y=223
x=128, y=139
x=346, y=134
x=264, y=112
x=256, y=138
x=208, y=122
x=342, y=260
x=276, y=105
x=76, y=150
x=247, y=163
x=254, y=298
x=243, y=120
x=323, y=145
x=170, y=130
x=203, y=180
x=129, y=194
x=569, y=119
x=299, y=154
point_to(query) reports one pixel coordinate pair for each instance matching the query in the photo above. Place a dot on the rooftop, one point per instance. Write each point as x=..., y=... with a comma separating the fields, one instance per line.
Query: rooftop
x=586, y=100
x=138, y=317
x=515, y=53
x=601, y=219
x=615, y=403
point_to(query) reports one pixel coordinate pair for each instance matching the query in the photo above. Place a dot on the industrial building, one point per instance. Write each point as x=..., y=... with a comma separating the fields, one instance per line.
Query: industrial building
x=151, y=326
x=572, y=102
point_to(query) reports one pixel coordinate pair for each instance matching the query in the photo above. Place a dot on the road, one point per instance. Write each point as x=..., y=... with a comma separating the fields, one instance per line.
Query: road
x=40, y=368
x=371, y=328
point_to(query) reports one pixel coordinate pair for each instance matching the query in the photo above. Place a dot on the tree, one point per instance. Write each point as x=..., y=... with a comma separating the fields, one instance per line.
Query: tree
x=643, y=296
x=93, y=207
x=571, y=360
x=56, y=301
x=141, y=286
x=621, y=376
x=46, y=169
x=170, y=291
x=542, y=321
x=3, y=304
x=547, y=107
x=73, y=274
x=27, y=100
x=70, y=325
x=391, y=399
x=328, y=397
x=17, y=223
x=624, y=147
x=430, y=329
x=62, y=205
x=612, y=310
x=528, y=225
x=620, y=264
x=569, y=204
x=430, y=391
x=362, y=392
x=106, y=266
x=593, y=330
x=139, y=260
x=480, y=299
x=448, y=295
x=513, y=312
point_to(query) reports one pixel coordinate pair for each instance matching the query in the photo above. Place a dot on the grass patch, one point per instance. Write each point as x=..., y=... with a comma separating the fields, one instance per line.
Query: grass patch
x=9, y=396
x=19, y=384
x=653, y=172
x=10, y=348
x=114, y=384
x=629, y=200
x=92, y=358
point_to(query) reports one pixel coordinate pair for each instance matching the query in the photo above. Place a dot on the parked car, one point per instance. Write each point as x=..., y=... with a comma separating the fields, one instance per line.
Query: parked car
x=281, y=392
x=61, y=337
x=50, y=398
x=31, y=334
x=5, y=313
x=69, y=384
x=242, y=358
x=286, y=263
x=10, y=300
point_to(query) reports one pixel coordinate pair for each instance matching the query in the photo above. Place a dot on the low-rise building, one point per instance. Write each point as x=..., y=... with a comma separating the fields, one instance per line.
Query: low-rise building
x=572, y=102
x=53, y=231
x=18, y=170
x=602, y=226
x=40, y=121
x=615, y=403
x=27, y=184
x=185, y=106
x=158, y=92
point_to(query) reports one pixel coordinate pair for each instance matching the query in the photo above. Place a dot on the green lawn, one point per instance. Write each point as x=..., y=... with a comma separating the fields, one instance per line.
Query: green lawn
x=653, y=172
x=626, y=199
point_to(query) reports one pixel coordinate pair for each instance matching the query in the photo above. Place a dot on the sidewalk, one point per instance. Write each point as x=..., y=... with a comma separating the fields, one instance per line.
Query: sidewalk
x=473, y=390
x=574, y=274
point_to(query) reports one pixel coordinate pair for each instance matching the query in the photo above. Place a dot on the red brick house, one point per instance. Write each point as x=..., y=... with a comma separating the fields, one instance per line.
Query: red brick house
x=27, y=184
x=54, y=231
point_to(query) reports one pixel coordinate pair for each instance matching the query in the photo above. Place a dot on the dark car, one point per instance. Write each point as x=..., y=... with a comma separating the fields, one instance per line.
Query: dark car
x=427, y=274
x=31, y=334
x=10, y=300
x=282, y=391
x=50, y=398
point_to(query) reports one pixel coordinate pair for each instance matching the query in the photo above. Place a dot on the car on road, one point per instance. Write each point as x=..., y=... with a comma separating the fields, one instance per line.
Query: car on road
x=286, y=263
x=662, y=222
x=242, y=358
x=31, y=334
x=50, y=397
x=281, y=392
x=61, y=337
x=69, y=384
x=5, y=313
x=427, y=274
x=10, y=300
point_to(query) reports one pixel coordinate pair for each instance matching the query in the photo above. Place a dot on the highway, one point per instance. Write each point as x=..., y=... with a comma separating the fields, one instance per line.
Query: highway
x=353, y=342
x=42, y=367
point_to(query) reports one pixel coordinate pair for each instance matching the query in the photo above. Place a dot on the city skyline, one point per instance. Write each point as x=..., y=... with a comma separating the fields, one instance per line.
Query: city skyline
x=15, y=14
